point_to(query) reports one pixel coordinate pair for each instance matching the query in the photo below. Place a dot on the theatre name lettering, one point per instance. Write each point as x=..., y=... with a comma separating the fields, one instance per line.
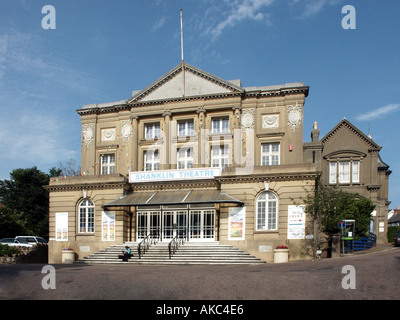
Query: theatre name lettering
x=169, y=175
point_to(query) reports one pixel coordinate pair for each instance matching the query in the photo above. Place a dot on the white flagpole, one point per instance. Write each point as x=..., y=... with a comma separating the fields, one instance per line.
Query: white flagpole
x=181, y=37
x=183, y=68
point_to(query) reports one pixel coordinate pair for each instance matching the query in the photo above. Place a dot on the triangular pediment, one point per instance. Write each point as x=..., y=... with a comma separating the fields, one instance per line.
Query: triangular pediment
x=341, y=131
x=184, y=81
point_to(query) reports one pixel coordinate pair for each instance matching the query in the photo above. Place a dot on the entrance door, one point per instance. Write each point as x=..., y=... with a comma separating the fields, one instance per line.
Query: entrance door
x=148, y=222
x=174, y=223
x=202, y=224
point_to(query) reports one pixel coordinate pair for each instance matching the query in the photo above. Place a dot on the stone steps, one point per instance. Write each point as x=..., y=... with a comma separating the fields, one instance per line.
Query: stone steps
x=188, y=253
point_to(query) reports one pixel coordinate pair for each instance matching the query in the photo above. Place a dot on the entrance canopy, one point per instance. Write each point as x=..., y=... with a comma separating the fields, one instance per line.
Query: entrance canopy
x=151, y=198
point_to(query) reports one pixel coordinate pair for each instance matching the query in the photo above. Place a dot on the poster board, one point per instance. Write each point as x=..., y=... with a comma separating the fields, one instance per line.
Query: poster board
x=61, y=226
x=236, y=223
x=296, y=222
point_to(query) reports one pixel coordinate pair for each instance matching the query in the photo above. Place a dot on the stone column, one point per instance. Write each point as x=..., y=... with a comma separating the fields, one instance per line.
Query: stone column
x=134, y=144
x=202, y=147
x=165, y=162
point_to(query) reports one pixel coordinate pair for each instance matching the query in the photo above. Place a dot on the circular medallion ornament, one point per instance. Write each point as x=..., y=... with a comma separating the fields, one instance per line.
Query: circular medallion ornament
x=247, y=120
x=126, y=131
x=294, y=116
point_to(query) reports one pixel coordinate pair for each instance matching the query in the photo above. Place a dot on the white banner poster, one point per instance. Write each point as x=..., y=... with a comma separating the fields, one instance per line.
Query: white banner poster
x=62, y=226
x=236, y=223
x=296, y=222
x=108, y=226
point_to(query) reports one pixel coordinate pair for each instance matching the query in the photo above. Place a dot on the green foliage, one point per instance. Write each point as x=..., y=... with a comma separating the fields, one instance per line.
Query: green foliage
x=26, y=202
x=330, y=205
x=6, y=250
x=391, y=232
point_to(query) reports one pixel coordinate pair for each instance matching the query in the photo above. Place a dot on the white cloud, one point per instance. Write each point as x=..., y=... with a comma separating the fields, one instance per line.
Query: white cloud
x=158, y=24
x=240, y=10
x=378, y=113
x=314, y=7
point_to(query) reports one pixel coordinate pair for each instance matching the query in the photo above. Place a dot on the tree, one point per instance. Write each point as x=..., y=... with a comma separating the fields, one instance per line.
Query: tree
x=26, y=200
x=329, y=205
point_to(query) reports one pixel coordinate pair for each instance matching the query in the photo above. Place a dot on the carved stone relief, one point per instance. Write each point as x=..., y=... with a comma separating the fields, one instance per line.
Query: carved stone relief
x=88, y=134
x=270, y=121
x=108, y=134
x=294, y=116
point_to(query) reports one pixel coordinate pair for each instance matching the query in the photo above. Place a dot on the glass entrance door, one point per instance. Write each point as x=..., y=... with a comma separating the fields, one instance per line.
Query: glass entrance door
x=196, y=225
x=174, y=223
x=148, y=222
x=202, y=224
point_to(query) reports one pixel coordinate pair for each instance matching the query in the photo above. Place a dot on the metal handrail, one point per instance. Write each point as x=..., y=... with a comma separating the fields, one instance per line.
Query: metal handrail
x=145, y=244
x=174, y=245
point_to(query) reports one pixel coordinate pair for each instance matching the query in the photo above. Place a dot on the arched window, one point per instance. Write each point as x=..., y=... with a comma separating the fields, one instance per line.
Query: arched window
x=267, y=211
x=86, y=216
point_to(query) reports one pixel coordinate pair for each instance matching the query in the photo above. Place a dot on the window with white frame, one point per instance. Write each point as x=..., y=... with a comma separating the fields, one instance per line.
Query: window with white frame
x=107, y=164
x=152, y=131
x=86, y=216
x=270, y=154
x=344, y=172
x=220, y=156
x=185, y=128
x=220, y=125
x=267, y=211
x=185, y=158
x=152, y=160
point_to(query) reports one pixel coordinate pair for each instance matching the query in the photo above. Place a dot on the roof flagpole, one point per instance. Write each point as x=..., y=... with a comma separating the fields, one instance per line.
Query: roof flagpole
x=183, y=69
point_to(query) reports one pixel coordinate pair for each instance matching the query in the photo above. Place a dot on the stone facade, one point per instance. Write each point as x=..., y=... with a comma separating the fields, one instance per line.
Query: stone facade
x=187, y=120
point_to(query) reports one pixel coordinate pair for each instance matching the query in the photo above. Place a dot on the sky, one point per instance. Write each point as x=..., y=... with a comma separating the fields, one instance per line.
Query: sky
x=100, y=51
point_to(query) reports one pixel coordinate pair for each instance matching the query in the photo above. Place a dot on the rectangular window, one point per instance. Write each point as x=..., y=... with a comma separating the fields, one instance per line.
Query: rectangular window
x=270, y=154
x=185, y=128
x=332, y=172
x=152, y=131
x=152, y=160
x=344, y=172
x=107, y=164
x=185, y=158
x=220, y=156
x=220, y=125
x=355, y=172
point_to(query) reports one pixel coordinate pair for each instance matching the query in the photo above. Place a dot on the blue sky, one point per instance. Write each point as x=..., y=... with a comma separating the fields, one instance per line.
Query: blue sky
x=102, y=50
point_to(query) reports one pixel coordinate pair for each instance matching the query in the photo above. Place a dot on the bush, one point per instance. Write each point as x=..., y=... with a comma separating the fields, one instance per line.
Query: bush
x=6, y=250
x=391, y=232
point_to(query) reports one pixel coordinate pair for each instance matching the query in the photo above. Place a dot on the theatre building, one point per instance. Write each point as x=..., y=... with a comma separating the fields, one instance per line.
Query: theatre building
x=190, y=156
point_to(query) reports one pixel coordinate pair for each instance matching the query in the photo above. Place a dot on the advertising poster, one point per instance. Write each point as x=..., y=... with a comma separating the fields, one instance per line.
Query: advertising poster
x=61, y=226
x=296, y=222
x=236, y=223
x=108, y=226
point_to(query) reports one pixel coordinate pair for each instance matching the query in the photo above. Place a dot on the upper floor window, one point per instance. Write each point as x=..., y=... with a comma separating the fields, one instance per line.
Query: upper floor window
x=86, y=216
x=152, y=160
x=185, y=158
x=267, y=211
x=220, y=125
x=152, y=131
x=220, y=156
x=107, y=164
x=270, y=154
x=185, y=128
x=344, y=172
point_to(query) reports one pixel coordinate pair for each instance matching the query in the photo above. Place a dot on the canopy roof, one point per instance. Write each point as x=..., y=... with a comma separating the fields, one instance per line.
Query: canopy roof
x=151, y=198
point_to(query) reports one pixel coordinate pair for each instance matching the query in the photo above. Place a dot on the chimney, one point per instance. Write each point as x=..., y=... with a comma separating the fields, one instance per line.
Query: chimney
x=315, y=133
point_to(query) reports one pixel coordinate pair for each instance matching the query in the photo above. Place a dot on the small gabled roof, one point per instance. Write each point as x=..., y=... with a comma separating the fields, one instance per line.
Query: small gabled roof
x=347, y=124
x=195, y=82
